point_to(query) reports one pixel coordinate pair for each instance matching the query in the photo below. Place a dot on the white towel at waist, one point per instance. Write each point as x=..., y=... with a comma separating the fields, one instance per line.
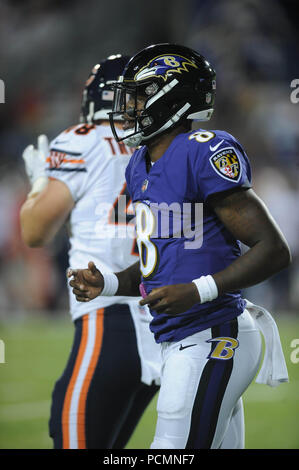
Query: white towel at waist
x=149, y=351
x=274, y=370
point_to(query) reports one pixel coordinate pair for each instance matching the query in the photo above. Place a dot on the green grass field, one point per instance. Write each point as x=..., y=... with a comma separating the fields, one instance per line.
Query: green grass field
x=36, y=350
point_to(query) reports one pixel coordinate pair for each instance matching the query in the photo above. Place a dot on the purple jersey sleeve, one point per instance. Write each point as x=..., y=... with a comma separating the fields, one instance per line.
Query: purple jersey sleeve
x=221, y=165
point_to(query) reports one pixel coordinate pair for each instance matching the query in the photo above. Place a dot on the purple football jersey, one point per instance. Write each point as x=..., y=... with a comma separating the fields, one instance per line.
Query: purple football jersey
x=179, y=236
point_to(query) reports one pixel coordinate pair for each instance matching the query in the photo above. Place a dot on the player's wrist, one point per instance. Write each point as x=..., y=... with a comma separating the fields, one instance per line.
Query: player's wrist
x=111, y=284
x=34, y=173
x=206, y=288
x=129, y=280
x=193, y=293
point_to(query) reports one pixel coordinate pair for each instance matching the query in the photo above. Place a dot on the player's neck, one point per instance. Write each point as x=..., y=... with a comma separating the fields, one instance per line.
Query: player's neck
x=156, y=148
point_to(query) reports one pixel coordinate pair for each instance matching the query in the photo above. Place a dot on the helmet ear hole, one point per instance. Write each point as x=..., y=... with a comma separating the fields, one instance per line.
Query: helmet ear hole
x=151, y=89
x=147, y=121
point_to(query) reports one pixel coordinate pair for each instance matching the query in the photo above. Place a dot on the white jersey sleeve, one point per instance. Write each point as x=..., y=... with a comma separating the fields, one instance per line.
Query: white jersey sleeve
x=69, y=155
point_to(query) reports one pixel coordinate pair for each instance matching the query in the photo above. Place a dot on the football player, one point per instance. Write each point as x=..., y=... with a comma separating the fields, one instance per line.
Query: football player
x=194, y=204
x=113, y=368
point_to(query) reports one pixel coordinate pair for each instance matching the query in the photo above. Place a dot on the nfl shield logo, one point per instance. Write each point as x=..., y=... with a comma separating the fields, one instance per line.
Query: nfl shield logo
x=144, y=185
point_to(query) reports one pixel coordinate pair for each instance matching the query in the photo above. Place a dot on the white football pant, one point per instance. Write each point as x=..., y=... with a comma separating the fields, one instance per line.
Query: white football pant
x=203, y=379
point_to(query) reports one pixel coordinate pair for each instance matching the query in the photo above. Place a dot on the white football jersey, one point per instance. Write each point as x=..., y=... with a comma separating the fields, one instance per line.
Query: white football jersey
x=92, y=164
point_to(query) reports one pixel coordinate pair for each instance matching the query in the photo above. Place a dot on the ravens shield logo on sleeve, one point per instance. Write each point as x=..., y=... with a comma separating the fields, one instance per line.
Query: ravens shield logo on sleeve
x=227, y=164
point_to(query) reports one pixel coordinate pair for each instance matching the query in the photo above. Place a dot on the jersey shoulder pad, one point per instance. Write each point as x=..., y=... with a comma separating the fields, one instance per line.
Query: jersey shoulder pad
x=203, y=143
x=209, y=140
x=219, y=151
x=75, y=141
x=69, y=151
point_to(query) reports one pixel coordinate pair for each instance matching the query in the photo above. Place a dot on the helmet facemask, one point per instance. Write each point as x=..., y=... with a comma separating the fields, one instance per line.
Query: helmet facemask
x=129, y=108
x=153, y=109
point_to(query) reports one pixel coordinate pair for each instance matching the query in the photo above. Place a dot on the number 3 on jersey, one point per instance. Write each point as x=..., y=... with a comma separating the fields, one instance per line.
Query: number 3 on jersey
x=148, y=252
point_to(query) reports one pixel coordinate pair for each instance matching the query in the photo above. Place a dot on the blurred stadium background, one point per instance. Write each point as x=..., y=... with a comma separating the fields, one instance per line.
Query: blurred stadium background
x=47, y=49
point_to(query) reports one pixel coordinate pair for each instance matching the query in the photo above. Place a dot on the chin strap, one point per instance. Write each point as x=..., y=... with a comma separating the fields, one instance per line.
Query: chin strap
x=133, y=140
x=173, y=120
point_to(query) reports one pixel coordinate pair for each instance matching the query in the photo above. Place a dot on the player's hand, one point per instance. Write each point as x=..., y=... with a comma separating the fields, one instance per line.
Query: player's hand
x=173, y=299
x=87, y=283
x=35, y=159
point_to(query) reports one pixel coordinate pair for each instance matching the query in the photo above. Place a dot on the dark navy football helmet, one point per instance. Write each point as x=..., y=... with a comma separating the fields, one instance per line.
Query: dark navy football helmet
x=161, y=86
x=98, y=95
